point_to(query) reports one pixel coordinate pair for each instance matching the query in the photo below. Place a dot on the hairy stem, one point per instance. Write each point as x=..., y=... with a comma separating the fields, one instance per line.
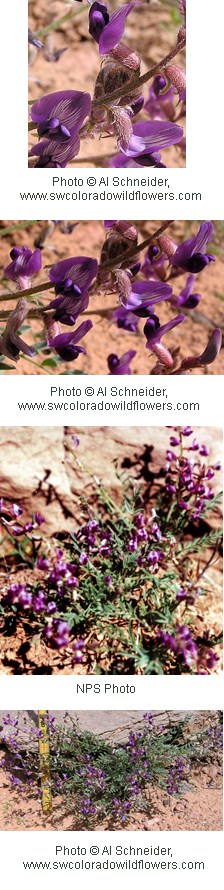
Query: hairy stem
x=135, y=84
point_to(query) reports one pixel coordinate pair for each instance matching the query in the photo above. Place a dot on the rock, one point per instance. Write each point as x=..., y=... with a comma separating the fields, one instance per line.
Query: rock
x=38, y=471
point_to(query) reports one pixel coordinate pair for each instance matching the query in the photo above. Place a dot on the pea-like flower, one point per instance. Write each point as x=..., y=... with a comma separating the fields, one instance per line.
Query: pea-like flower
x=144, y=294
x=25, y=264
x=154, y=333
x=60, y=115
x=186, y=297
x=147, y=139
x=66, y=344
x=120, y=365
x=55, y=154
x=107, y=29
x=190, y=255
x=72, y=279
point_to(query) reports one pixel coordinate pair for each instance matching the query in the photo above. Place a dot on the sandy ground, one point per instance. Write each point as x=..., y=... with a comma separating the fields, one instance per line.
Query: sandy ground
x=87, y=239
x=199, y=809
x=150, y=31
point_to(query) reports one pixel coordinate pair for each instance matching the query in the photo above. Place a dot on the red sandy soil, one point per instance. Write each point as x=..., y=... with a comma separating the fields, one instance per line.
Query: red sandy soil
x=199, y=809
x=149, y=31
x=87, y=239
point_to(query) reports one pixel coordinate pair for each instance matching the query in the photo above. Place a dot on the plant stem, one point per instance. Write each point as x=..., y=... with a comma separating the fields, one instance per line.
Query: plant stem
x=56, y=25
x=135, y=84
x=26, y=293
x=133, y=250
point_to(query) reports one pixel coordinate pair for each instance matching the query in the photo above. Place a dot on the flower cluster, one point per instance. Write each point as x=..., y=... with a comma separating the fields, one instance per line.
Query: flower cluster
x=139, y=286
x=62, y=118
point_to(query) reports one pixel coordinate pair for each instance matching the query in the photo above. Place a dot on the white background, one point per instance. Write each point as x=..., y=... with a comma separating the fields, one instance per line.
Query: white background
x=204, y=173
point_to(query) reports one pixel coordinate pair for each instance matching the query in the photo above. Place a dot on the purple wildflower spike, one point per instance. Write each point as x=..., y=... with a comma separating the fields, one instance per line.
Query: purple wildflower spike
x=55, y=154
x=66, y=344
x=25, y=264
x=60, y=115
x=120, y=365
x=190, y=254
x=72, y=279
x=186, y=298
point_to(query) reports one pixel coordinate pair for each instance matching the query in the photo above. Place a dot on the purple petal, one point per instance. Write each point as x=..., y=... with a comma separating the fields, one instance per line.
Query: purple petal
x=158, y=334
x=193, y=245
x=208, y=356
x=56, y=154
x=149, y=135
x=145, y=292
x=74, y=337
x=71, y=107
x=112, y=33
x=80, y=269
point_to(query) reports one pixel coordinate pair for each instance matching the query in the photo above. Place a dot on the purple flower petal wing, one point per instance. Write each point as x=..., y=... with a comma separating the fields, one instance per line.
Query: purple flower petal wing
x=56, y=154
x=112, y=33
x=193, y=245
x=69, y=106
x=150, y=135
x=158, y=334
x=203, y=237
x=63, y=339
x=80, y=269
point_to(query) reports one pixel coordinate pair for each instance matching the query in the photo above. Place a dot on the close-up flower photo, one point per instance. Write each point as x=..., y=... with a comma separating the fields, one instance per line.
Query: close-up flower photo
x=107, y=83
x=114, y=297
x=111, y=550
x=111, y=770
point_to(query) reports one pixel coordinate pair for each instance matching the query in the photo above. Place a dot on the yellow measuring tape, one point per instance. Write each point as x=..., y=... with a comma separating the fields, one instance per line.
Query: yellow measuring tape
x=44, y=755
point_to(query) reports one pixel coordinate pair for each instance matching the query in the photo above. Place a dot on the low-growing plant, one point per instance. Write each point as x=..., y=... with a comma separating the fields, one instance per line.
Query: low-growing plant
x=120, y=594
x=101, y=781
x=138, y=275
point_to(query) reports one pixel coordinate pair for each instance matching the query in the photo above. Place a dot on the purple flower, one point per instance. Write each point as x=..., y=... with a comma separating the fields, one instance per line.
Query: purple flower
x=72, y=279
x=105, y=29
x=208, y=356
x=145, y=294
x=66, y=344
x=120, y=365
x=147, y=138
x=55, y=154
x=185, y=297
x=154, y=263
x=125, y=319
x=58, y=633
x=154, y=333
x=60, y=115
x=160, y=104
x=190, y=255
x=24, y=266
